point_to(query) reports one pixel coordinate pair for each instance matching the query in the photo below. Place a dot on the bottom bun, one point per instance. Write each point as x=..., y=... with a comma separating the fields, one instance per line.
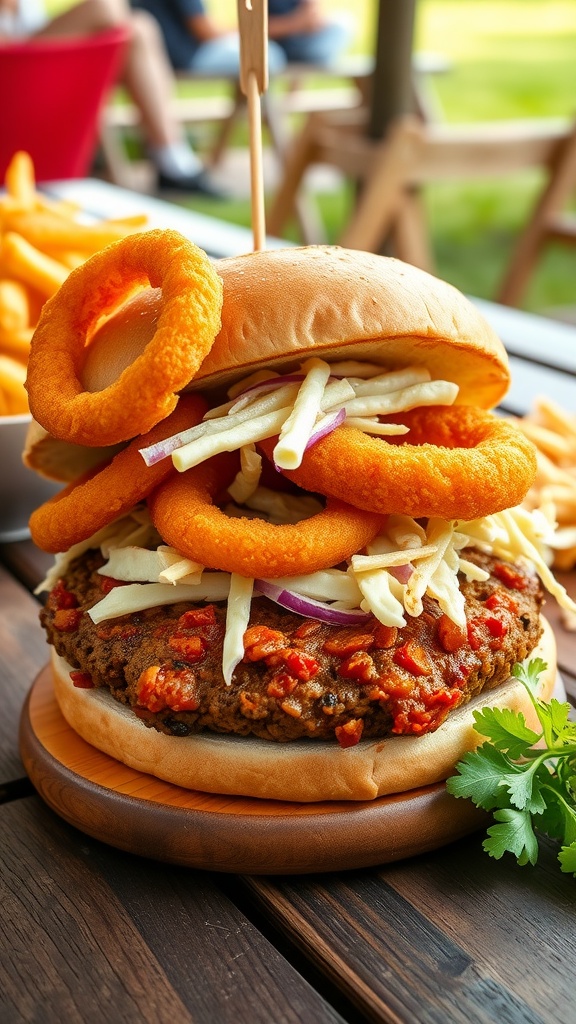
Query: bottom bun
x=303, y=770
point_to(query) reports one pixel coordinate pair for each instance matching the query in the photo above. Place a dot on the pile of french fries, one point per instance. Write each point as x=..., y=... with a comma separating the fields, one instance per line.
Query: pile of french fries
x=553, y=430
x=41, y=241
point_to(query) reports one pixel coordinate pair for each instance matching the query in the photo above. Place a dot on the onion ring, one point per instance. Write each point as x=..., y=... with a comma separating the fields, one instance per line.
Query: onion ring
x=108, y=491
x=461, y=463
x=145, y=392
x=183, y=511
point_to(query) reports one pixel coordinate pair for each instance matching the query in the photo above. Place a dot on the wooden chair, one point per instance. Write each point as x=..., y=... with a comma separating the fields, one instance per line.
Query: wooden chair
x=289, y=94
x=53, y=91
x=392, y=171
x=548, y=223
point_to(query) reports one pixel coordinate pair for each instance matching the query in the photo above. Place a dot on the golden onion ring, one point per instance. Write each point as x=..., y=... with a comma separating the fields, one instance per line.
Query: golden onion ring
x=184, y=513
x=106, y=492
x=145, y=392
x=459, y=462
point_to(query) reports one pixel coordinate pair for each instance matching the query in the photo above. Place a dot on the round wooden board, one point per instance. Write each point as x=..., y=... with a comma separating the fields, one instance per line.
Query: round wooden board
x=142, y=814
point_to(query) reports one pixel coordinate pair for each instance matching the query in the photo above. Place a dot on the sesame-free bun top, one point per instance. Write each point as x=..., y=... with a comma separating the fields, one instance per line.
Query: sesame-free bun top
x=282, y=305
x=347, y=304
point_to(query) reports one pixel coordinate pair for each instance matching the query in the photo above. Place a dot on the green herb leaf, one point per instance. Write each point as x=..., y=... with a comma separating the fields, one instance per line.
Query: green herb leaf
x=567, y=858
x=506, y=729
x=481, y=775
x=528, y=672
x=527, y=778
x=514, y=835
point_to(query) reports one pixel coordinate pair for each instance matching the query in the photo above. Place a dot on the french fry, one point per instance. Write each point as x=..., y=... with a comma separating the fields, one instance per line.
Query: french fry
x=44, y=229
x=137, y=220
x=553, y=430
x=20, y=179
x=27, y=262
x=16, y=344
x=12, y=378
x=41, y=241
x=69, y=259
x=14, y=305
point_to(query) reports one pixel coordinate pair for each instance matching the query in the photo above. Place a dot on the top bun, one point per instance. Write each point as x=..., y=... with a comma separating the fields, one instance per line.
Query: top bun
x=282, y=305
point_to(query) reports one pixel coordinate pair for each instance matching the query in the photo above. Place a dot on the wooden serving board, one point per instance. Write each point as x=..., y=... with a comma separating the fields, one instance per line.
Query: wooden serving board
x=142, y=814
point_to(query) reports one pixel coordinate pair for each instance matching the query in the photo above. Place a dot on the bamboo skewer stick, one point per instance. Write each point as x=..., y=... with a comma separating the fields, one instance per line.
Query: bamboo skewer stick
x=253, y=28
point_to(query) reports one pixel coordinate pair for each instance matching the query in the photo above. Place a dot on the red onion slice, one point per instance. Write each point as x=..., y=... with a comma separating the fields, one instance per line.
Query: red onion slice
x=272, y=384
x=309, y=608
x=402, y=573
x=329, y=425
x=161, y=450
x=277, y=382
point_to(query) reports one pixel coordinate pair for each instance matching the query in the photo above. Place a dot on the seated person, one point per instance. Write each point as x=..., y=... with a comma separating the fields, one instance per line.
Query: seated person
x=147, y=76
x=195, y=42
x=304, y=34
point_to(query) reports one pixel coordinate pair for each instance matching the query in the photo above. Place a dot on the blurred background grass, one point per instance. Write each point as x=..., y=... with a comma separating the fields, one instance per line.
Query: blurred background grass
x=508, y=59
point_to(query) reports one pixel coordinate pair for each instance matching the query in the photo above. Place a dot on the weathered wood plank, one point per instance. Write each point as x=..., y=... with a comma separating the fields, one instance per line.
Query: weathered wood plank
x=450, y=936
x=23, y=651
x=89, y=934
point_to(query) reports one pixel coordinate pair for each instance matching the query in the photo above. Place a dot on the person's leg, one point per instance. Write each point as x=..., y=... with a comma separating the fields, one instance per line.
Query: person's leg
x=221, y=57
x=84, y=18
x=322, y=47
x=148, y=78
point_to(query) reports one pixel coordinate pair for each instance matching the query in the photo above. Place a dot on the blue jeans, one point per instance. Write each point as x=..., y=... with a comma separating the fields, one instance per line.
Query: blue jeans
x=322, y=47
x=221, y=57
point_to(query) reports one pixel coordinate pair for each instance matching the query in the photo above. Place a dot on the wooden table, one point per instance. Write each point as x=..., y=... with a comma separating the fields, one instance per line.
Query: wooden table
x=92, y=934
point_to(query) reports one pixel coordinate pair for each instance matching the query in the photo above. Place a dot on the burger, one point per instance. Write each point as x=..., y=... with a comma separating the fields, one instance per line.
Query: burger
x=198, y=637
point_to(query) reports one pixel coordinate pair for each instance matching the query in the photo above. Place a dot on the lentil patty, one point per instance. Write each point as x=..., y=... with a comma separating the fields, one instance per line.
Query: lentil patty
x=299, y=677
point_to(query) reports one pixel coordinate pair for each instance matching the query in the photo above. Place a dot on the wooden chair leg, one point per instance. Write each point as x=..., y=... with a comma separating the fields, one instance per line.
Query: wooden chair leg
x=305, y=209
x=134, y=175
x=410, y=237
x=384, y=190
x=303, y=152
x=227, y=127
x=543, y=224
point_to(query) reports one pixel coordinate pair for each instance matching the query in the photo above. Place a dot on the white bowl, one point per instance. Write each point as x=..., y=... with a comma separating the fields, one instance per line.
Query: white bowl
x=21, y=490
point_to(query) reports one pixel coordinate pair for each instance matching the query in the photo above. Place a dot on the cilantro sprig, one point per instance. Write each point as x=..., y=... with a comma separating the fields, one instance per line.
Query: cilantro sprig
x=527, y=778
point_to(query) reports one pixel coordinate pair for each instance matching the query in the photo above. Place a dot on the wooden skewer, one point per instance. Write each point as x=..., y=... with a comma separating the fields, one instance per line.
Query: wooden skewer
x=253, y=28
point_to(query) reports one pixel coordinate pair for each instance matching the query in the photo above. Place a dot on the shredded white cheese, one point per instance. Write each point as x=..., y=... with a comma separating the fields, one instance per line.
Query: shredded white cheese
x=135, y=597
x=248, y=476
x=405, y=562
x=295, y=411
x=237, y=619
x=297, y=429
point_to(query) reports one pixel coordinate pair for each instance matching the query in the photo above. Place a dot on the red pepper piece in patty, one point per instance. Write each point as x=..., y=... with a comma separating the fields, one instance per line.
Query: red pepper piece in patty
x=451, y=636
x=160, y=687
x=190, y=648
x=281, y=685
x=82, y=680
x=347, y=641
x=67, y=620
x=60, y=597
x=260, y=641
x=196, y=617
x=509, y=576
x=413, y=658
x=358, y=666
x=349, y=735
